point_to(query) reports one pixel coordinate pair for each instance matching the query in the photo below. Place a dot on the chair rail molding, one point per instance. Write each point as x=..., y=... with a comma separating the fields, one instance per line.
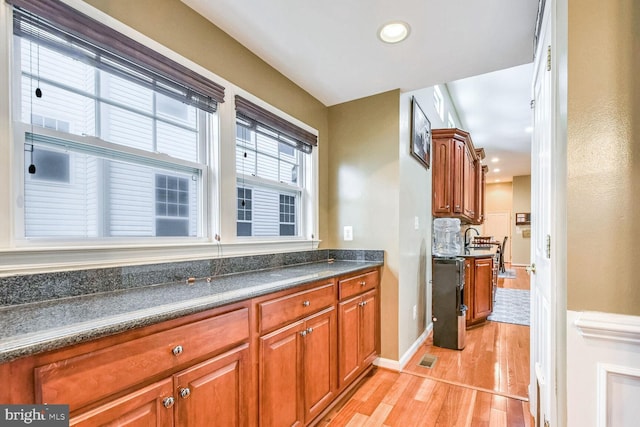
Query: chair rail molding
x=609, y=326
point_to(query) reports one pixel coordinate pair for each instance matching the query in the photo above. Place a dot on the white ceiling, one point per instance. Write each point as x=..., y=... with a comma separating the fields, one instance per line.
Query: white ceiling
x=495, y=109
x=330, y=47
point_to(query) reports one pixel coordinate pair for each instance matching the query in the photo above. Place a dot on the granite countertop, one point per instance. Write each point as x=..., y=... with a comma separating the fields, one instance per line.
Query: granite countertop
x=476, y=252
x=479, y=251
x=31, y=328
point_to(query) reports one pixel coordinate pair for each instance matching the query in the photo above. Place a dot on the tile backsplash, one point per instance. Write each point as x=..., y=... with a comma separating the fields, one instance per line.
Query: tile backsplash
x=46, y=286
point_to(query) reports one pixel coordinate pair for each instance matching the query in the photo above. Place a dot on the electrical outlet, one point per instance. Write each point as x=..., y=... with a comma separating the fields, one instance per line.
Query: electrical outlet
x=416, y=223
x=415, y=312
x=348, y=232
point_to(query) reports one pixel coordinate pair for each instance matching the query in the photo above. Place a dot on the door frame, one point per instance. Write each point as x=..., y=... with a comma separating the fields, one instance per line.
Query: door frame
x=559, y=17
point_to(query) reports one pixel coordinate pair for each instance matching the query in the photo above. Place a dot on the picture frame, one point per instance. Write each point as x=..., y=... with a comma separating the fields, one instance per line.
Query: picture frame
x=420, y=134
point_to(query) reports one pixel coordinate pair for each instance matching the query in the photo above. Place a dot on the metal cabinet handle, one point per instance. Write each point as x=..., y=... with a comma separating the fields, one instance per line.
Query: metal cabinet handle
x=185, y=392
x=177, y=350
x=168, y=402
x=303, y=333
x=306, y=303
x=448, y=206
x=363, y=283
x=309, y=330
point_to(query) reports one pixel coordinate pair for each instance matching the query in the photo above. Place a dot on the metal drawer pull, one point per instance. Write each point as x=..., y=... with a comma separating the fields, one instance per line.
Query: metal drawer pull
x=309, y=330
x=303, y=333
x=168, y=402
x=363, y=283
x=185, y=392
x=177, y=350
x=306, y=303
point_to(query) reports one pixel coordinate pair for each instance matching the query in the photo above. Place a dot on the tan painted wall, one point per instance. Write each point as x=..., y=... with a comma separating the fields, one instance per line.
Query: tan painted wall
x=521, y=246
x=499, y=197
x=178, y=27
x=364, y=191
x=603, y=156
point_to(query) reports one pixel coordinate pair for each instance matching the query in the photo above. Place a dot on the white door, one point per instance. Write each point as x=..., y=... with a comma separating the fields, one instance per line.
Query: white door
x=543, y=364
x=498, y=225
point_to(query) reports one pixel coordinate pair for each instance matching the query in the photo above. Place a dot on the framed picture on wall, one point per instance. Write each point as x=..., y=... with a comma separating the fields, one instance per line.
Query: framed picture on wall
x=420, y=134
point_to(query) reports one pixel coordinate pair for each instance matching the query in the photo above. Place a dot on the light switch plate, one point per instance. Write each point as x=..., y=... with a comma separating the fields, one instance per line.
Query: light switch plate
x=348, y=232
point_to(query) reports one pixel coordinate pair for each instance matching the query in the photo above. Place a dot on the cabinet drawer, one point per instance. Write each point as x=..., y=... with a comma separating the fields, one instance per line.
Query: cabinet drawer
x=358, y=284
x=87, y=378
x=280, y=311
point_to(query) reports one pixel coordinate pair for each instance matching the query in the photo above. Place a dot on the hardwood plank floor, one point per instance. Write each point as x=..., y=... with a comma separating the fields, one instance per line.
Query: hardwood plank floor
x=400, y=399
x=520, y=282
x=484, y=385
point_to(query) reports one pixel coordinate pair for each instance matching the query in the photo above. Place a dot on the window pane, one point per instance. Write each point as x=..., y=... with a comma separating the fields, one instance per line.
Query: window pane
x=124, y=127
x=48, y=64
x=59, y=105
x=174, y=110
x=177, y=142
x=126, y=92
x=51, y=165
x=130, y=198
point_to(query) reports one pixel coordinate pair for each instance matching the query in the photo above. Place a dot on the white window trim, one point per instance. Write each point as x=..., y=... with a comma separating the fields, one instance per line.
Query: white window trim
x=220, y=237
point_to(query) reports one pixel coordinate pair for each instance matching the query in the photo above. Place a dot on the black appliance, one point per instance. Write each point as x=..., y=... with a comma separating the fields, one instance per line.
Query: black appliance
x=449, y=311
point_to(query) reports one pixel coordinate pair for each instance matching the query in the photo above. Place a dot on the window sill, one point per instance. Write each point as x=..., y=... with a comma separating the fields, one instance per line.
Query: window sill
x=34, y=260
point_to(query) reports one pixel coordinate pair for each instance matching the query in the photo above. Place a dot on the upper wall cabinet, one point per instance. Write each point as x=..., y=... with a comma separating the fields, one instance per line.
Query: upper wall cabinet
x=458, y=182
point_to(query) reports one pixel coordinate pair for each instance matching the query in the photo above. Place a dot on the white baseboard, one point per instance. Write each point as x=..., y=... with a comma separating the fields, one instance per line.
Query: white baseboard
x=398, y=365
x=603, y=378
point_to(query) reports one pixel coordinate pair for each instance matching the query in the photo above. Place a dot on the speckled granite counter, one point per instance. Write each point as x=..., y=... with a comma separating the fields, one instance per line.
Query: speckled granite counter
x=46, y=325
x=480, y=252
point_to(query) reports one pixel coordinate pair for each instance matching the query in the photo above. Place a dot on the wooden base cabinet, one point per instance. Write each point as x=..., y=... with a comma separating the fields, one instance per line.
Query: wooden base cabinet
x=150, y=406
x=213, y=392
x=297, y=371
x=210, y=393
x=357, y=335
x=478, y=289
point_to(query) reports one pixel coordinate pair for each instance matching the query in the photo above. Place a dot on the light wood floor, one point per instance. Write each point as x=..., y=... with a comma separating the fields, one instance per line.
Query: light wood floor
x=483, y=385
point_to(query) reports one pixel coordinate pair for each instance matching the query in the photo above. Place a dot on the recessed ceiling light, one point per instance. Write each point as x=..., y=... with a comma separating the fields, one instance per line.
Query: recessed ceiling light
x=528, y=129
x=495, y=160
x=496, y=170
x=394, y=32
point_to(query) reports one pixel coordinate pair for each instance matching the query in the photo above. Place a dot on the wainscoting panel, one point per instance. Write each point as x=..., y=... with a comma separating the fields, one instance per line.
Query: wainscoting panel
x=603, y=369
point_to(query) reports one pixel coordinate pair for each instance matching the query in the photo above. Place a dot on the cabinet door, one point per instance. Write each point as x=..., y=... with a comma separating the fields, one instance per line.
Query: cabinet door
x=469, y=187
x=213, y=392
x=368, y=327
x=144, y=407
x=319, y=355
x=348, y=340
x=442, y=178
x=483, y=287
x=280, y=377
x=458, y=176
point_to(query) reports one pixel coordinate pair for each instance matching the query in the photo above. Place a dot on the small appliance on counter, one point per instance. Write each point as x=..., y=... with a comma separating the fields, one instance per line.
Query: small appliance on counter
x=449, y=311
x=446, y=237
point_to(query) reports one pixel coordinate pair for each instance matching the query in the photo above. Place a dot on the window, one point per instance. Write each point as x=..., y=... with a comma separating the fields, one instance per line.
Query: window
x=244, y=212
x=172, y=205
x=438, y=102
x=450, y=122
x=271, y=157
x=287, y=215
x=125, y=130
x=53, y=166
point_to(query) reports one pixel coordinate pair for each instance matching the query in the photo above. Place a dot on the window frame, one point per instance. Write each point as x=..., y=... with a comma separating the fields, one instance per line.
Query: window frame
x=301, y=190
x=46, y=255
